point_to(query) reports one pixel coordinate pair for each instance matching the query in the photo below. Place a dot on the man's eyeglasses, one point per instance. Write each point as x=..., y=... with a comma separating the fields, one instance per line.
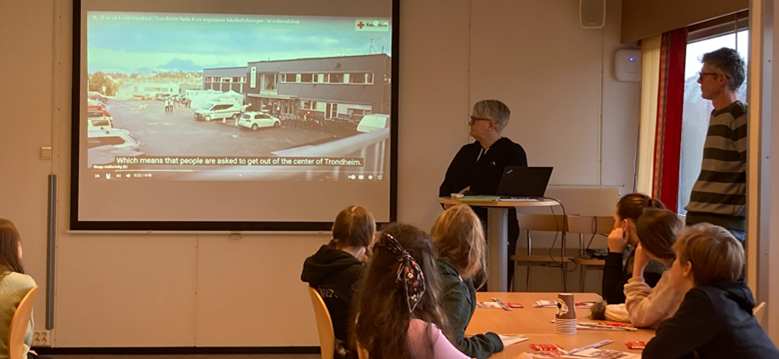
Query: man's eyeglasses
x=702, y=74
x=474, y=119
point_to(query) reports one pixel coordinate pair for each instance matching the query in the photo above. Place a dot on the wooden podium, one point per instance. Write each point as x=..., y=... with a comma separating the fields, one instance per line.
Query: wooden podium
x=497, y=235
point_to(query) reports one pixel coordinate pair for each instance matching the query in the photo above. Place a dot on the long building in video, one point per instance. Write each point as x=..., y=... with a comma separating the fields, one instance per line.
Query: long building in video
x=342, y=88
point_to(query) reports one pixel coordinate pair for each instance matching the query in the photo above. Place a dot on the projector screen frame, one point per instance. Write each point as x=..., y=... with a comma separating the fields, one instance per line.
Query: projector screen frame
x=78, y=225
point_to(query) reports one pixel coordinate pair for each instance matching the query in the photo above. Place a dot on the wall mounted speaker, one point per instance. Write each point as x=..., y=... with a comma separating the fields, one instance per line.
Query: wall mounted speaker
x=592, y=13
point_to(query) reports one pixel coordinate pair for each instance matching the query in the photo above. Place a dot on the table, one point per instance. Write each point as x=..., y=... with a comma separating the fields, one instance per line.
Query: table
x=497, y=235
x=535, y=323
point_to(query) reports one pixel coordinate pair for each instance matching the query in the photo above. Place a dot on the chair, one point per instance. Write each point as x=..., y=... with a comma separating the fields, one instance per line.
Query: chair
x=324, y=324
x=759, y=313
x=20, y=323
x=531, y=222
x=584, y=226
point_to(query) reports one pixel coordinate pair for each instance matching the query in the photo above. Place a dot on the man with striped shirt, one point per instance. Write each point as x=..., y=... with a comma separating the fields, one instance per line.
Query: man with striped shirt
x=719, y=195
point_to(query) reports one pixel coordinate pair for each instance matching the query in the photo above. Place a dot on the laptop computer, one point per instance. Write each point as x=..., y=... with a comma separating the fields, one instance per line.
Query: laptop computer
x=524, y=182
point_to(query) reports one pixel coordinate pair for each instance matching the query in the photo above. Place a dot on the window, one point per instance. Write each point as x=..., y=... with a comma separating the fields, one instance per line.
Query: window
x=357, y=78
x=226, y=79
x=269, y=81
x=695, y=118
x=289, y=78
x=237, y=79
x=336, y=78
x=306, y=77
x=357, y=111
x=361, y=78
x=334, y=111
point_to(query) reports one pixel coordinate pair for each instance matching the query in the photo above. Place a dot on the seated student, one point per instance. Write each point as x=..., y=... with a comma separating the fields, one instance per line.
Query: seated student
x=397, y=308
x=715, y=319
x=14, y=285
x=646, y=306
x=458, y=237
x=335, y=268
x=615, y=274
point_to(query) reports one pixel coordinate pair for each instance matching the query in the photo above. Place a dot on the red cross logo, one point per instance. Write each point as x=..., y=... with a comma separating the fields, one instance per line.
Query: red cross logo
x=360, y=25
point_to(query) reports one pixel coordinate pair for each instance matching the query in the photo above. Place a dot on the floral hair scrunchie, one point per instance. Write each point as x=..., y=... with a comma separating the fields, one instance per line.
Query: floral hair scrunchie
x=409, y=275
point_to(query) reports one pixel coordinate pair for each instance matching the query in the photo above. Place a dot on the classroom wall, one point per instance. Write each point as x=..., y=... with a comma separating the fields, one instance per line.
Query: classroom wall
x=124, y=290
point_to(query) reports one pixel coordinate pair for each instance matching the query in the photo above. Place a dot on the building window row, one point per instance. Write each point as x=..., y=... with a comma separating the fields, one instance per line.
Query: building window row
x=241, y=79
x=365, y=78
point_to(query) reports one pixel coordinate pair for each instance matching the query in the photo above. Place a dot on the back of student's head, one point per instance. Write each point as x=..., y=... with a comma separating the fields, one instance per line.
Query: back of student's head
x=657, y=230
x=716, y=255
x=631, y=206
x=354, y=226
x=10, y=244
x=381, y=310
x=458, y=236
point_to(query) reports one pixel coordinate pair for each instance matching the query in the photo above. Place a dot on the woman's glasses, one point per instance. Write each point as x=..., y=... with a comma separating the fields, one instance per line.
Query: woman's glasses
x=474, y=119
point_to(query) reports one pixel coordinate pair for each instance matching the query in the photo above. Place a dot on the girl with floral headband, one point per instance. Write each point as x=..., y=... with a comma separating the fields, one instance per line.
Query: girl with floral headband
x=398, y=312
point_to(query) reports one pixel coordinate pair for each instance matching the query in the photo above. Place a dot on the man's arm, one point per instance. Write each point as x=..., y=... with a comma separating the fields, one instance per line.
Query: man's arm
x=691, y=327
x=738, y=134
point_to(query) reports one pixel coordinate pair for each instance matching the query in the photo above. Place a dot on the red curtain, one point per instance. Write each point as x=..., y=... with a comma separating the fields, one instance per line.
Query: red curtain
x=670, y=100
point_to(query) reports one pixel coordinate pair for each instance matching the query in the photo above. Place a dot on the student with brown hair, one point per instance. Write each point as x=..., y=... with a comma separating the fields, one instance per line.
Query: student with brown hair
x=336, y=267
x=646, y=306
x=397, y=309
x=619, y=264
x=14, y=285
x=458, y=236
x=715, y=318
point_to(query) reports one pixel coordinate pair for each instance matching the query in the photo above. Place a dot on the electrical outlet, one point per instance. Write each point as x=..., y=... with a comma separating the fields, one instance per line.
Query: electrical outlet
x=41, y=338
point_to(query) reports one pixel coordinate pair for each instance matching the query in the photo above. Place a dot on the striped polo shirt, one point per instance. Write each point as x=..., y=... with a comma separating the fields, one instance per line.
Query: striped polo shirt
x=719, y=195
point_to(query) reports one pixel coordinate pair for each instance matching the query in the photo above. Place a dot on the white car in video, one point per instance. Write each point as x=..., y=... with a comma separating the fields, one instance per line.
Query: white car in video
x=219, y=111
x=255, y=120
x=118, y=138
x=373, y=122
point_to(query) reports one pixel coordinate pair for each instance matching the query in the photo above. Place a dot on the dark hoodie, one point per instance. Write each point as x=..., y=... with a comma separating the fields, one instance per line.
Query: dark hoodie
x=716, y=321
x=459, y=302
x=333, y=273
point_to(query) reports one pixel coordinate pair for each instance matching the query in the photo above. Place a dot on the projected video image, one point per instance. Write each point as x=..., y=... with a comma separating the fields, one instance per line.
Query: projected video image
x=228, y=97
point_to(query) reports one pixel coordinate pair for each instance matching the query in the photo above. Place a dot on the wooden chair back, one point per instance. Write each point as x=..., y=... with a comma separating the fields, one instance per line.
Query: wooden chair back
x=759, y=313
x=20, y=323
x=323, y=324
